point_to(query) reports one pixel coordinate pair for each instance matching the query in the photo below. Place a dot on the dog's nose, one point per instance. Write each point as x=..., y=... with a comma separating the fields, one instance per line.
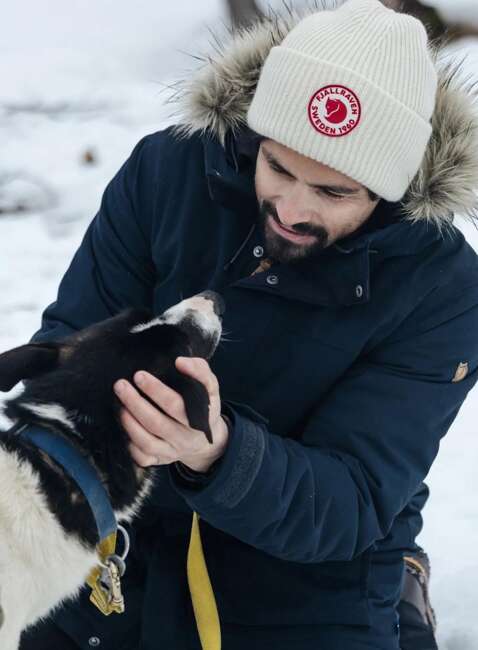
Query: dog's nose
x=217, y=301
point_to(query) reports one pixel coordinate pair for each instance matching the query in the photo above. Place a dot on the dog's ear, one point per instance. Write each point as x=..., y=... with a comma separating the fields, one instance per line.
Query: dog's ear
x=195, y=396
x=26, y=362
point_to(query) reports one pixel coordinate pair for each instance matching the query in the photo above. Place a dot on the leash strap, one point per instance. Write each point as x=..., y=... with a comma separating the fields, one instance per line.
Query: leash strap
x=202, y=595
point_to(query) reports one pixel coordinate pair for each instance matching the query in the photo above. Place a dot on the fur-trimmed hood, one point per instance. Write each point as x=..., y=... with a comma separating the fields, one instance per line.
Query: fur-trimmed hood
x=216, y=98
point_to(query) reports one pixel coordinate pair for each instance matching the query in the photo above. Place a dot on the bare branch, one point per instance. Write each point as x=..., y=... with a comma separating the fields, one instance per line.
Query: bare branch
x=243, y=13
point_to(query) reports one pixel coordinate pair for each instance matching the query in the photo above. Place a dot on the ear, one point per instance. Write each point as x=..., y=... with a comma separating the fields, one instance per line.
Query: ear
x=26, y=362
x=195, y=396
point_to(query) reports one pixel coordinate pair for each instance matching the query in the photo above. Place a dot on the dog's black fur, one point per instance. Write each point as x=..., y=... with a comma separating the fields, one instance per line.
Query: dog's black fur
x=78, y=374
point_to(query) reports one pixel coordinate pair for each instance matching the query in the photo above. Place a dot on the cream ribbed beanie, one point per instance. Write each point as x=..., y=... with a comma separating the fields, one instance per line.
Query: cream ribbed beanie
x=353, y=88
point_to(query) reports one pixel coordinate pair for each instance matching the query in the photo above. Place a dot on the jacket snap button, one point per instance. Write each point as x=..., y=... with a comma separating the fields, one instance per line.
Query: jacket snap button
x=359, y=291
x=94, y=641
x=258, y=251
x=272, y=279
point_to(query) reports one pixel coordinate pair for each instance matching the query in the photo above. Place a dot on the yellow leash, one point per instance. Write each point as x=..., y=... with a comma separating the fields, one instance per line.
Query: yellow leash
x=202, y=595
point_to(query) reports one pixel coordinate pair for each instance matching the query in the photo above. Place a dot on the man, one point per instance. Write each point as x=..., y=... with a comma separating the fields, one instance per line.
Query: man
x=306, y=183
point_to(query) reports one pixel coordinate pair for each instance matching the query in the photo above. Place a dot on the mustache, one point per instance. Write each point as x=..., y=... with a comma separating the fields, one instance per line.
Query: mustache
x=267, y=209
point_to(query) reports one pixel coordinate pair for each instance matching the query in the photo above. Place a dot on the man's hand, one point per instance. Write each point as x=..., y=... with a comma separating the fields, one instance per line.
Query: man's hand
x=162, y=438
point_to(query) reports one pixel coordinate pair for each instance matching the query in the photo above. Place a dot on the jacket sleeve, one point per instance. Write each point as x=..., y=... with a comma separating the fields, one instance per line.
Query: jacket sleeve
x=112, y=269
x=333, y=492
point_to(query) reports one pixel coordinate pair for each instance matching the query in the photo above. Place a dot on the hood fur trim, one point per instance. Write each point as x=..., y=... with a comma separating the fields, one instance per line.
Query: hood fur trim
x=216, y=98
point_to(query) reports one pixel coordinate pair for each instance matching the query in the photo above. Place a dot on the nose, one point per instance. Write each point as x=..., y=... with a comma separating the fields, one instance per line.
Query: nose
x=294, y=209
x=289, y=218
x=217, y=301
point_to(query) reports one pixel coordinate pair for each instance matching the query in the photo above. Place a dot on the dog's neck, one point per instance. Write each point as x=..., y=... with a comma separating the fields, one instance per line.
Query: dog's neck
x=120, y=475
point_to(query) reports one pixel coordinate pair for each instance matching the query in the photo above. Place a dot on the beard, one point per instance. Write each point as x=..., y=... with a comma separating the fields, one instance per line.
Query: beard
x=282, y=249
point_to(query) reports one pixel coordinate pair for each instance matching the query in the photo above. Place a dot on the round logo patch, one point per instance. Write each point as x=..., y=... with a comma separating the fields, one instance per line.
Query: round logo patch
x=334, y=110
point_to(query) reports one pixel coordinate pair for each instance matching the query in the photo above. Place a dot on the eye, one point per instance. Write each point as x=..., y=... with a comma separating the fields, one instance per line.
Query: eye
x=332, y=195
x=276, y=169
x=328, y=193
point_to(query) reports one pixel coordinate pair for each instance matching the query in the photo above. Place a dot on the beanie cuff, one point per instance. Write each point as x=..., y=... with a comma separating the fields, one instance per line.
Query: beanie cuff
x=383, y=151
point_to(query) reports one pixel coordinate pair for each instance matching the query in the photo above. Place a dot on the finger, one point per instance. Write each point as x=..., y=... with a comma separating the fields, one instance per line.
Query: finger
x=143, y=460
x=149, y=444
x=152, y=419
x=199, y=369
x=168, y=399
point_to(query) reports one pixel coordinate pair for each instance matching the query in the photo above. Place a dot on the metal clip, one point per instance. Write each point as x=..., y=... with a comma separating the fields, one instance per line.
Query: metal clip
x=106, y=593
x=100, y=597
x=115, y=595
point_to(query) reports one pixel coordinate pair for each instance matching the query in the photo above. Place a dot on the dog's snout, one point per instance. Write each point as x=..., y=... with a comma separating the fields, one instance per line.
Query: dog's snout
x=217, y=301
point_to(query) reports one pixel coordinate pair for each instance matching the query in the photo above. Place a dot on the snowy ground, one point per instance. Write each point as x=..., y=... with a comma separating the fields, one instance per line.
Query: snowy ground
x=76, y=82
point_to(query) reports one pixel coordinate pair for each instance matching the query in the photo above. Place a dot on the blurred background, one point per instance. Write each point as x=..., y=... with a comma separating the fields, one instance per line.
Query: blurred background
x=81, y=83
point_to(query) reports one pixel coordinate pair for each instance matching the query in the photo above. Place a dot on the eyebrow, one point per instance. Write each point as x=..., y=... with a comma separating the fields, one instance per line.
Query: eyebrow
x=339, y=189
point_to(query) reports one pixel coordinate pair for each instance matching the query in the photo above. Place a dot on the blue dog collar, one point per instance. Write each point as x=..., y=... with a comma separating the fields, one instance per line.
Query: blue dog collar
x=80, y=471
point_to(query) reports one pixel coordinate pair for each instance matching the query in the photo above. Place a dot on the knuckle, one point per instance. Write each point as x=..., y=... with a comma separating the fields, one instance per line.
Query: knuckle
x=125, y=417
x=126, y=423
x=198, y=446
x=151, y=424
x=194, y=445
x=149, y=448
x=138, y=457
x=212, y=383
x=176, y=403
x=198, y=362
x=180, y=447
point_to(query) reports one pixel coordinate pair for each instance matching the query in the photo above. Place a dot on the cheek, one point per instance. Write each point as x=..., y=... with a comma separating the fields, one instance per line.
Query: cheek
x=268, y=185
x=355, y=217
x=344, y=219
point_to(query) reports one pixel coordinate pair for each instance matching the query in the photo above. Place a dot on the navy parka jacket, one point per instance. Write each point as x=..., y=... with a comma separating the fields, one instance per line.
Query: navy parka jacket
x=338, y=376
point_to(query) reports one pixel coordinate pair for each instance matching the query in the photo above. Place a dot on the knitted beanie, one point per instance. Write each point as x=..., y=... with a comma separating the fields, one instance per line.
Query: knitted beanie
x=353, y=88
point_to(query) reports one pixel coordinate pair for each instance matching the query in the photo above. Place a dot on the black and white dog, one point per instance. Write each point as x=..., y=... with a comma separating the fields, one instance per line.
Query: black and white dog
x=48, y=534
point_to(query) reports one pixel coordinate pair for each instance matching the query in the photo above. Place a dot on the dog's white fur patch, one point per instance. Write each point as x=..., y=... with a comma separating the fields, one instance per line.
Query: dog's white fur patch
x=128, y=514
x=198, y=308
x=41, y=565
x=146, y=326
x=51, y=412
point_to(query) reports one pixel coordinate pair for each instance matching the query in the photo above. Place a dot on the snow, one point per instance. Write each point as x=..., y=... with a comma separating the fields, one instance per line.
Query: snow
x=460, y=11
x=79, y=84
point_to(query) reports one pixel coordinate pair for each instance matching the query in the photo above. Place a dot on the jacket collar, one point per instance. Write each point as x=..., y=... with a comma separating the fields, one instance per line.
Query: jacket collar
x=342, y=275
x=230, y=178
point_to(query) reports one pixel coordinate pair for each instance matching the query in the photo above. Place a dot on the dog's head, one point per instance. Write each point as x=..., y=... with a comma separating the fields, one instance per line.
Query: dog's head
x=69, y=383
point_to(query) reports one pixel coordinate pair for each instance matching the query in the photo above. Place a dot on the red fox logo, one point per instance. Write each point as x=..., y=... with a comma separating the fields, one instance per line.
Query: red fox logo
x=336, y=111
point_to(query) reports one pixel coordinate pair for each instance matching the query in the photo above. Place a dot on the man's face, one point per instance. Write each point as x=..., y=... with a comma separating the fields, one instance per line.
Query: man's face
x=316, y=202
